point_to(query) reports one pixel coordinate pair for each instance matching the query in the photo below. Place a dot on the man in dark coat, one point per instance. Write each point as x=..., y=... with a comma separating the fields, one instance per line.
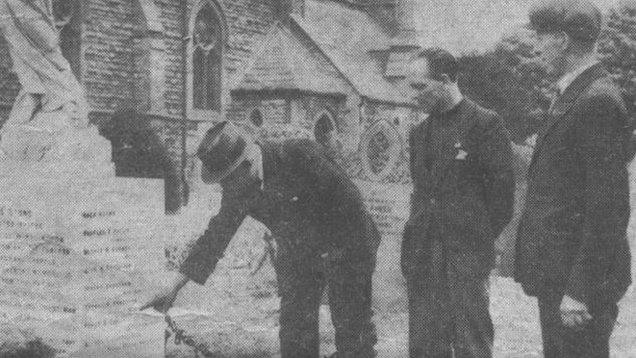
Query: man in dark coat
x=461, y=167
x=323, y=231
x=572, y=252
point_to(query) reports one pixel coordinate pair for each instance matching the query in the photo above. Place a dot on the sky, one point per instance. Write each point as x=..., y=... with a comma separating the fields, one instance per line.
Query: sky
x=476, y=25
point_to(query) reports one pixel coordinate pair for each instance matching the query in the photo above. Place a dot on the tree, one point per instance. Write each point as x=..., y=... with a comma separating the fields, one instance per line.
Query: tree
x=510, y=80
x=617, y=47
x=513, y=81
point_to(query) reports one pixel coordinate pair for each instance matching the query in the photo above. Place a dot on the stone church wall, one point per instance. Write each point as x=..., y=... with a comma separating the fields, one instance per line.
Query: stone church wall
x=108, y=53
x=115, y=43
x=110, y=33
x=287, y=116
x=272, y=110
x=115, y=37
x=9, y=85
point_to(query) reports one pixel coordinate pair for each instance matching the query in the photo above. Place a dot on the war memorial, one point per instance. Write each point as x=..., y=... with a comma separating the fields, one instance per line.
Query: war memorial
x=77, y=245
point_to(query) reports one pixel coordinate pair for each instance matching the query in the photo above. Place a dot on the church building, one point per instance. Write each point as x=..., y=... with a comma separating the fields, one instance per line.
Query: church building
x=332, y=70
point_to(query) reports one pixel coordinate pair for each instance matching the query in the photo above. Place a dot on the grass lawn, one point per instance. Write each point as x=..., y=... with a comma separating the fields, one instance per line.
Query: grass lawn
x=242, y=311
x=242, y=325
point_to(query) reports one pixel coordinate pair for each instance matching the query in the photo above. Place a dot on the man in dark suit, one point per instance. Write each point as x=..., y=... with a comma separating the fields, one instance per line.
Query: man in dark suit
x=572, y=252
x=323, y=231
x=461, y=167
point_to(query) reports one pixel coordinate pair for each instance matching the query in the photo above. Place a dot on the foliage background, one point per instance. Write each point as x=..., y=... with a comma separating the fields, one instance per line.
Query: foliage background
x=511, y=79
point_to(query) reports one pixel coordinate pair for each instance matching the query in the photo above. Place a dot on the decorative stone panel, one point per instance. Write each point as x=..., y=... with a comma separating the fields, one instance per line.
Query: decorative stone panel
x=382, y=154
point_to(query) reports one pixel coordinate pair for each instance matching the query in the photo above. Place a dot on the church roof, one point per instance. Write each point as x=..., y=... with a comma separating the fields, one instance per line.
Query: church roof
x=368, y=2
x=285, y=62
x=351, y=39
x=333, y=49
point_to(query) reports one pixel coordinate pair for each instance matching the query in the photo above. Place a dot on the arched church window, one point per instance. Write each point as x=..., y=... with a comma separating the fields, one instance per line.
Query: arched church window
x=65, y=14
x=206, y=59
x=324, y=129
x=256, y=117
x=380, y=147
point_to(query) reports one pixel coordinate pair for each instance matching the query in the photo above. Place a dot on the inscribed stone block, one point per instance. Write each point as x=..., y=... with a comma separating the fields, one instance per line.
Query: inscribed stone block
x=77, y=248
x=389, y=205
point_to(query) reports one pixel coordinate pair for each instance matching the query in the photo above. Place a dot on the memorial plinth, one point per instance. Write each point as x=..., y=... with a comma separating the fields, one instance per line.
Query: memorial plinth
x=389, y=205
x=79, y=251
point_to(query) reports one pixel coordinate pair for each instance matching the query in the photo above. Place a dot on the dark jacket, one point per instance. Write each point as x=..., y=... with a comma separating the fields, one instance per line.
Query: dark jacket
x=470, y=198
x=308, y=202
x=572, y=234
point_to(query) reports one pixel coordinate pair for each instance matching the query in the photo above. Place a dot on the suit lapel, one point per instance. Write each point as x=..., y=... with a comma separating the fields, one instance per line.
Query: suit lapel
x=564, y=103
x=422, y=146
x=270, y=165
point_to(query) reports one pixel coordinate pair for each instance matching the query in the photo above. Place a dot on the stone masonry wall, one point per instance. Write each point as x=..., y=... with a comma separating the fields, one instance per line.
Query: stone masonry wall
x=108, y=59
x=112, y=28
x=114, y=76
x=287, y=117
x=9, y=86
x=247, y=20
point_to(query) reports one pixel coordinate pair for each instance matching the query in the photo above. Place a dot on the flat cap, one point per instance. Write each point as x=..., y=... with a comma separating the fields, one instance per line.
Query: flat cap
x=579, y=19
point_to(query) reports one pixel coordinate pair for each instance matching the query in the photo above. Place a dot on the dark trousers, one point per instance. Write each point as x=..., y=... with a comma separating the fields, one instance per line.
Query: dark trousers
x=301, y=284
x=448, y=311
x=592, y=341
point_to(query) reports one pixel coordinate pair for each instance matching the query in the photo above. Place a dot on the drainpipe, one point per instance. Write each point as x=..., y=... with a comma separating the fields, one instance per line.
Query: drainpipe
x=184, y=108
x=360, y=108
x=361, y=120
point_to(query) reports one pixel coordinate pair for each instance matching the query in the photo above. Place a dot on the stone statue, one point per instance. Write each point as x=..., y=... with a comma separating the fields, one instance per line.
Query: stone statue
x=49, y=119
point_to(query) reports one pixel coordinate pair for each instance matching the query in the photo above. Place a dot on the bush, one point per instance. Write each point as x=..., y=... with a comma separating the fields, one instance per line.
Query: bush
x=32, y=349
x=617, y=47
x=15, y=343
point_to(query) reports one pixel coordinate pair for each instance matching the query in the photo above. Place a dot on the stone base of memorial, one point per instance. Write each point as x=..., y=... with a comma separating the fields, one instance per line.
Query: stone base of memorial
x=389, y=205
x=79, y=251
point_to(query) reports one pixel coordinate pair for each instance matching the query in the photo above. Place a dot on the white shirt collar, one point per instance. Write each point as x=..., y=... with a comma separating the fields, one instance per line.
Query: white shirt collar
x=567, y=79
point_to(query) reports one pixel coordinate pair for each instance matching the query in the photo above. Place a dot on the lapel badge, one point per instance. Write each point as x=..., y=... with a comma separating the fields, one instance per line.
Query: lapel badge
x=461, y=153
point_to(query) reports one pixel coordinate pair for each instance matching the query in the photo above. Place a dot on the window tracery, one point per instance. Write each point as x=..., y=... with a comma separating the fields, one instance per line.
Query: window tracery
x=206, y=59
